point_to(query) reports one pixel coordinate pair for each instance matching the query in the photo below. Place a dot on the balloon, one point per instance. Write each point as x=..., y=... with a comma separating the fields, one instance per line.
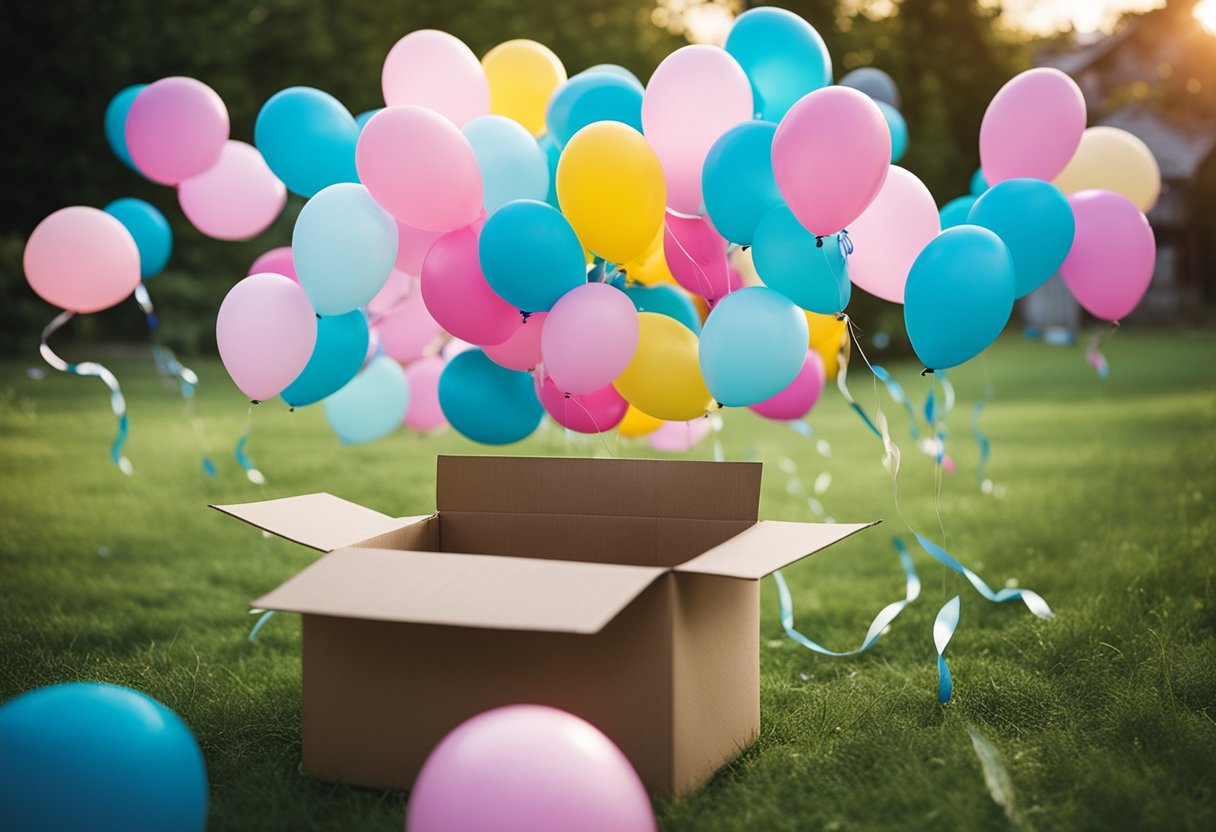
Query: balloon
x=810, y=271
x=796, y=400
x=959, y=296
x=696, y=255
x=831, y=154
x=522, y=350
x=1110, y=264
x=888, y=235
x=276, y=261
x=116, y=123
x=337, y=357
x=343, y=246
x=457, y=294
x=176, y=129
x=590, y=97
x=978, y=183
x=405, y=326
x=487, y=403
x=594, y=412
x=150, y=230
x=664, y=380
x=512, y=164
x=266, y=331
x=420, y=168
x=422, y=376
x=1032, y=127
x=636, y=423
x=610, y=187
x=651, y=269
x=612, y=69
x=666, y=300
x=899, y=130
x=827, y=334
x=552, y=154
x=435, y=70
x=697, y=93
x=522, y=75
x=783, y=56
x=752, y=346
x=372, y=405
x=874, y=83
x=412, y=246
x=530, y=255
x=82, y=260
x=92, y=756
x=364, y=117
x=528, y=768
x=679, y=437
x=589, y=338
x=956, y=211
x=235, y=199
x=737, y=180
x=1111, y=159
x=308, y=139
x=1034, y=220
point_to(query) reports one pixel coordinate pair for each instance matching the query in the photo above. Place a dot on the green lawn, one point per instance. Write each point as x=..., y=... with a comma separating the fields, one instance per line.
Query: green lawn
x=1102, y=718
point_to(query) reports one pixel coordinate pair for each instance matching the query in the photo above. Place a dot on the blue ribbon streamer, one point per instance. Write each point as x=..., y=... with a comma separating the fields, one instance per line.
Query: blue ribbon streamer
x=1033, y=601
x=845, y=243
x=897, y=393
x=255, y=476
x=261, y=622
x=980, y=438
x=842, y=384
x=943, y=629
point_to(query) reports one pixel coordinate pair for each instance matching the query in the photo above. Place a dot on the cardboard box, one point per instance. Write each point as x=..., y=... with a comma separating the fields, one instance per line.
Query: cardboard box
x=624, y=591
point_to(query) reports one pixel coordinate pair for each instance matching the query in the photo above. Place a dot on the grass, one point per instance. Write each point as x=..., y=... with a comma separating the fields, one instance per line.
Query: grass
x=1102, y=718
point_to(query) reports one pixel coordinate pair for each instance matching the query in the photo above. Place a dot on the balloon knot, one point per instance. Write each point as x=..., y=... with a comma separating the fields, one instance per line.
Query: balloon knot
x=254, y=401
x=818, y=241
x=926, y=372
x=318, y=316
x=525, y=315
x=567, y=396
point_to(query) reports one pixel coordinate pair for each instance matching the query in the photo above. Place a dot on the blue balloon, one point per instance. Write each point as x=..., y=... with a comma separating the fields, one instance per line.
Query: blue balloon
x=898, y=128
x=364, y=117
x=151, y=231
x=955, y=211
x=488, y=403
x=98, y=757
x=959, y=296
x=753, y=346
x=344, y=247
x=512, y=164
x=811, y=271
x=337, y=358
x=552, y=154
x=666, y=300
x=308, y=139
x=737, y=180
x=116, y=123
x=612, y=69
x=1035, y=221
x=372, y=405
x=530, y=255
x=590, y=97
x=979, y=183
x=783, y=56
x=874, y=83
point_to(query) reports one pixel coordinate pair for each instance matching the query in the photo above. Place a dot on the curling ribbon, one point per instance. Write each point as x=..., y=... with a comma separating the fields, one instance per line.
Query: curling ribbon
x=842, y=380
x=943, y=628
x=897, y=393
x=1033, y=601
x=255, y=476
x=981, y=439
x=261, y=622
x=1093, y=353
x=90, y=368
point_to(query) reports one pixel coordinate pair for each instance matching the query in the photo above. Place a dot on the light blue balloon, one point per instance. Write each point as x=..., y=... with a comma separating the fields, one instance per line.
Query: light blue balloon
x=364, y=117
x=372, y=405
x=809, y=270
x=753, y=346
x=150, y=230
x=590, y=97
x=116, y=123
x=668, y=300
x=1035, y=221
x=99, y=757
x=337, y=358
x=553, y=153
x=979, y=183
x=512, y=164
x=344, y=247
x=783, y=56
x=488, y=403
x=898, y=128
x=737, y=180
x=530, y=255
x=613, y=69
x=307, y=138
x=874, y=83
x=959, y=296
x=955, y=211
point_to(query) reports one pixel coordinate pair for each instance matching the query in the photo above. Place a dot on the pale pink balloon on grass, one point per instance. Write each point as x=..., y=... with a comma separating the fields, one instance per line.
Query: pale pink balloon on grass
x=81, y=259
x=1113, y=254
x=236, y=198
x=266, y=330
x=276, y=261
x=890, y=233
x=589, y=337
x=438, y=71
x=1032, y=126
x=522, y=350
x=176, y=129
x=424, y=413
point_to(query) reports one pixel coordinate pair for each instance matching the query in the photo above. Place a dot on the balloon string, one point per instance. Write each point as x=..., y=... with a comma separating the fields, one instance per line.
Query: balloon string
x=842, y=377
x=702, y=277
x=1093, y=352
x=260, y=623
x=255, y=476
x=118, y=403
x=598, y=431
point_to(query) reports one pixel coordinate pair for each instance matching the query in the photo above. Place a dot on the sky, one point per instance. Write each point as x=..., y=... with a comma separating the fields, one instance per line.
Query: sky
x=1047, y=16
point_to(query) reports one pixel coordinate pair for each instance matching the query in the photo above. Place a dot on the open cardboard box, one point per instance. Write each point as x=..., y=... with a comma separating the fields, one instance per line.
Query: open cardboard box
x=623, y=591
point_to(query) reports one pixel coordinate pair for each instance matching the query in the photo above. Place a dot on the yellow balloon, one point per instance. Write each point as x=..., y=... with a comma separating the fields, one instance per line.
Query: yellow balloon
x=651, y=267
x=610, y=187
x=636, y=423
x=741, y=259
x=664, y=378
x=826, y=336
x=1113, y=160
x=523, y=75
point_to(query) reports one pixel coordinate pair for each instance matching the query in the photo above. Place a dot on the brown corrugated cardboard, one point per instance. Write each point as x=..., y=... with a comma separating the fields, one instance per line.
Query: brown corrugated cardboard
x=623, y=591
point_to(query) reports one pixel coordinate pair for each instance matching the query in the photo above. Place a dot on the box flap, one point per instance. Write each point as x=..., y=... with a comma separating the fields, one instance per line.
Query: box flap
x=628, y=487
x=488, y=591
x=321, y=521
x=768, y=546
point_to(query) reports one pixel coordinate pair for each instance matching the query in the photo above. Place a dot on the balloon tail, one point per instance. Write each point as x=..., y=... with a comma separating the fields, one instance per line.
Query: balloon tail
x=255, y=476
x=1093, y=352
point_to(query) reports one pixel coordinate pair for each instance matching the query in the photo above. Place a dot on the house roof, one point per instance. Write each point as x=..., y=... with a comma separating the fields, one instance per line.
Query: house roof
x=1078, y=60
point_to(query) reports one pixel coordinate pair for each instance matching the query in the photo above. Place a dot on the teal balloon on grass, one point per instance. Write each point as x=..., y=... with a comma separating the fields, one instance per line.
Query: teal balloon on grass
x=1035, y=221
x=308, y=139
x=737, y=180
x=752, y=347
x=116, y=123
x=372, y=405
x=339, y=353
x=530, y=255
x=809, y=270
x=488, y=403
x=150, y=230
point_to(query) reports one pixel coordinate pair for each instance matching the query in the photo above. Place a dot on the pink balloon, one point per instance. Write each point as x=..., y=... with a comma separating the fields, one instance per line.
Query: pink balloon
x=395, y=290
x=420, y=168
x=457, y=295
x=424, y=413
x=594, y=412
x=176, y=129
x=889, y=235
x=276, y=261
x=266, y=330
x=1032, y=127
x=81, y=259
x=696, y=94
x=528, y=768
x=522, y=350
x=236, y=198
x=1113, y=254
x=589, y=337
x=831, y=153
x=406, y=328
x=696, y=255
x=412, y=246
x=679, y=437
x=436, y=70
x=796, y=401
